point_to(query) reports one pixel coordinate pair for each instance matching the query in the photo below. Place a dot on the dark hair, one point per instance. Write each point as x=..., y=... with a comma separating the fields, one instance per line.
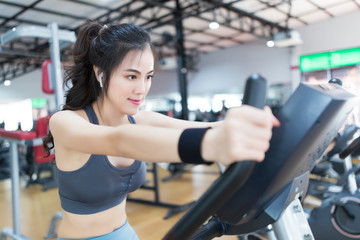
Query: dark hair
x=104, y=47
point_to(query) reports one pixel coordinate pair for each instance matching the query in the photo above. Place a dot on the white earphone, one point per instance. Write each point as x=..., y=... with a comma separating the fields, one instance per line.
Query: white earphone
x=100, y=79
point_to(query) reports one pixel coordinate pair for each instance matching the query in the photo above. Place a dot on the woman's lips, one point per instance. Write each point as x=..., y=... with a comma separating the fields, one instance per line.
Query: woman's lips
x=135, y=102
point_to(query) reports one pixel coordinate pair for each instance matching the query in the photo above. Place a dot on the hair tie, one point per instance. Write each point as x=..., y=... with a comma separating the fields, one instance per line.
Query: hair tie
x=103, y=28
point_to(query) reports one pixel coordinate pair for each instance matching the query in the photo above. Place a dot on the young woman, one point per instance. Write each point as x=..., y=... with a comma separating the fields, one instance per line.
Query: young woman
x=100, y=135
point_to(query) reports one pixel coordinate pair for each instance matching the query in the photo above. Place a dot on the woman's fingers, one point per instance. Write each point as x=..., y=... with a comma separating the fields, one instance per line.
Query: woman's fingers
x=261, y=117
x=248, y=132
x=275, y=121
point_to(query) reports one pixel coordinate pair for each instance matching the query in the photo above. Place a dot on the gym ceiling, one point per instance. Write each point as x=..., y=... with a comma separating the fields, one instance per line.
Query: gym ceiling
x=240, y=21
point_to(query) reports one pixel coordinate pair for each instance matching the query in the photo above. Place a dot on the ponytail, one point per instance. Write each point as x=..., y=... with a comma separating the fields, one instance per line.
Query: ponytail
x=80, y=78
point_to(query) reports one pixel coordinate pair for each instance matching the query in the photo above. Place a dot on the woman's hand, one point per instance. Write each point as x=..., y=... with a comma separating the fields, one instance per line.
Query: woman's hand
x=244, y=135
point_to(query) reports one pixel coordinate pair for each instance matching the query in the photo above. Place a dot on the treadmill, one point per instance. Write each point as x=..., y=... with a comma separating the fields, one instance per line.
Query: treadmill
x=250, y=196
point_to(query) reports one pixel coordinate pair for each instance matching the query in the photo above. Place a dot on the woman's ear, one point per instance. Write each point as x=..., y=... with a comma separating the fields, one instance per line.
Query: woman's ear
x=96, y=71
x=99, y=75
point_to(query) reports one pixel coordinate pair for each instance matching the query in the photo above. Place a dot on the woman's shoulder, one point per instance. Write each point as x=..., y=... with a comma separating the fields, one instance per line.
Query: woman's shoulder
x=66, y=116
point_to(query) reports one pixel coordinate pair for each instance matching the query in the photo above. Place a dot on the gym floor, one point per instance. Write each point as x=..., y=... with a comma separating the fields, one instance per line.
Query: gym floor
x=38, y=207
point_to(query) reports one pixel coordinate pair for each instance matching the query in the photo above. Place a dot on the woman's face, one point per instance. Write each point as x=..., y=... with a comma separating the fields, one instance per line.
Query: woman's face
x=130, y=81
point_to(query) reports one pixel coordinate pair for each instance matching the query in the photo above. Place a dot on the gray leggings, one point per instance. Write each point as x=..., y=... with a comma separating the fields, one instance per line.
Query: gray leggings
x=123, y=232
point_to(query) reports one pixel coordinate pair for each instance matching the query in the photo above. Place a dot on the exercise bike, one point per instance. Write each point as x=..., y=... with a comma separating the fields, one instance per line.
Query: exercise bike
x=250, y=196
x=338, y=217
x=329, y=174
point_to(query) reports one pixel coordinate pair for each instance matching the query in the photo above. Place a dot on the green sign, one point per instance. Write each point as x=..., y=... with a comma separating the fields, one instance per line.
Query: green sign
x=38, y=102
x=330, y=59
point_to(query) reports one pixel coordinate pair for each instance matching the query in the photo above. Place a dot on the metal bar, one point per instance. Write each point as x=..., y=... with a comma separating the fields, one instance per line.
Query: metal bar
x=293, y=224
x=15, y=231
x=227, y=6
x=172, y=20
x=98, y=6
x=8, y=232
x=56, y=66
x=156, y=183
x=174, y=208
x=38, y=32
x=148, y=188
x=44, y=10
x=181, y=61
x=15, y=187
x=321, y=8
x=20, y=12
x=4, y=74
x=10, y=52
x=351, y=179
x=150, y=202
x=31, y=22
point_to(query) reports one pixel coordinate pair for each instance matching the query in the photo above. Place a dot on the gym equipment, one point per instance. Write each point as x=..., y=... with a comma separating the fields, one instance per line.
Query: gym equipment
x=53, y=225
x=250, y=196
x=336, y=81
x=176, y=170
x=4, y=160
x=41, y=162
x=342, y=140
x=331, y=167
x=46, y=79
x=15, y=138
x=174, y=208
x=338, y=217
x=57, y=40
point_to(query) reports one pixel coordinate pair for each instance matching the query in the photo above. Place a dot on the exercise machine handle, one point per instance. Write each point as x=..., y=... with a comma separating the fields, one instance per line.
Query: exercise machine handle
x=228, y=183
x=353, y=146
x=255, y=91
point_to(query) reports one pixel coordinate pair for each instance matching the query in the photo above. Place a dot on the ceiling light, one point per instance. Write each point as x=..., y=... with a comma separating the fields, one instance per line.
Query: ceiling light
x=7, y=82
x=270, y=43
x=214, y=25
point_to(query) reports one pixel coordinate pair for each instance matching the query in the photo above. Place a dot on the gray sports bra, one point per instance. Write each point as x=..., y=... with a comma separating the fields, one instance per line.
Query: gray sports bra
x=98, y=185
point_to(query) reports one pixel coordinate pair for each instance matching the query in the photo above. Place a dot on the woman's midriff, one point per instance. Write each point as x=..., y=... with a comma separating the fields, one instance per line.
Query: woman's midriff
x=92, y=225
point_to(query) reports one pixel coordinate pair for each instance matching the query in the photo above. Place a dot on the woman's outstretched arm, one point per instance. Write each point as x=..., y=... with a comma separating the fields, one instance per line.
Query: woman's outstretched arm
x=244, y=134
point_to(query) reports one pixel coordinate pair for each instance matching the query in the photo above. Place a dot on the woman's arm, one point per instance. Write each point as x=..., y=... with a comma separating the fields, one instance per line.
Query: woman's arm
x=148, y=143
x=161, y=120
x=244, y=134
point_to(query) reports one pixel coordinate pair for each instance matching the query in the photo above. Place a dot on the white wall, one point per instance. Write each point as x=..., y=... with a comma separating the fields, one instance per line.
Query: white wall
x=164, y=82
x=226, y=70
x=333, y=34
x=26, y=86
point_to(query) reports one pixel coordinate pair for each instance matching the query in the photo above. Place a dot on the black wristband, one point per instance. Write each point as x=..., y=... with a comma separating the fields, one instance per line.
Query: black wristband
x=190, y=144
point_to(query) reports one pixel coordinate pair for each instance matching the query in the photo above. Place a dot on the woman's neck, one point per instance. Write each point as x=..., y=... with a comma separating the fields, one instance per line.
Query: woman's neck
x=107, y=116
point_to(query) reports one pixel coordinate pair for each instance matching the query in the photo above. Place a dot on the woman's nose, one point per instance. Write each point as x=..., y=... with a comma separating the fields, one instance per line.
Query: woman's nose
x=140, y=86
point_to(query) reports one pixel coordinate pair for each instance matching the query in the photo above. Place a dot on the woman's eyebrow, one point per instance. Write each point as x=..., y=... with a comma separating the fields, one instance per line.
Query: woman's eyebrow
x=137, y=71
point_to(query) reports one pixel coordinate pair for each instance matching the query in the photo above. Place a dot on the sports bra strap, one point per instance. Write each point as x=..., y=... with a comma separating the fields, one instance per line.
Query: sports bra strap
x=91, y=114
x=131, y=119
x=93, y=119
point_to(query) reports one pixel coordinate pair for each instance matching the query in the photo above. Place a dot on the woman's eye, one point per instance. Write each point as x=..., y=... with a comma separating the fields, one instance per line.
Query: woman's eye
x=131, y=77
x=150, y=77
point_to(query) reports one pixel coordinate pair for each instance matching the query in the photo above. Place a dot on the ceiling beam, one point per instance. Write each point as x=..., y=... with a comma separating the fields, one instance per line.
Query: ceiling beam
x=24, y=8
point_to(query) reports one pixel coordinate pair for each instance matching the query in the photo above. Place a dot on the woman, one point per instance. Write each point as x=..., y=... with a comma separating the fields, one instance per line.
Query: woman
x=97, y=141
